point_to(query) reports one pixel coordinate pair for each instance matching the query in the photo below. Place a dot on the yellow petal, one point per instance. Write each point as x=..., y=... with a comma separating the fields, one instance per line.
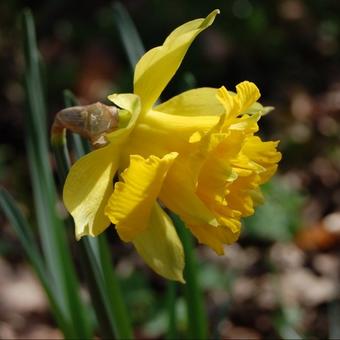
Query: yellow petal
x=203, y=212
x=130, y=103
x=216, y=237
x=87, y=189
x=156, y=68
x=131, y=202
x=159, y=133
x=216, y=172
x=240, y=195
x=246, y=123
x=264, y=154
x=197, y=102
x=126, y=101
x=247, y=94
x=160, y=246
x=179, y=194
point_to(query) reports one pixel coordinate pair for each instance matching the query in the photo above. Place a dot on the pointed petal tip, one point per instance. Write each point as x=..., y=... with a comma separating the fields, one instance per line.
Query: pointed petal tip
x=112, y=97
x=210, y=18
x=176, y=275
x=267, y=109
x=181, y=280
x=160, y=246
x=157, y=66
x=213, y=14
x=82, y=231
x=127, y=101
x=79, y=235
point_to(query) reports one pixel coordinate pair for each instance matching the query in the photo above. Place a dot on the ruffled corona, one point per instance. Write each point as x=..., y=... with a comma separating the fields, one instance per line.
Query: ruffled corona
x=226, y=165
x=196, y=154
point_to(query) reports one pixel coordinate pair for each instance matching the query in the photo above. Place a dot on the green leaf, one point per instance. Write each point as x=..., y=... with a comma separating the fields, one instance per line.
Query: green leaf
x=278, y=219
x=102, y=282
x=285, y=321
x=115, y=304
x=51, y=230
x=27, y=240
x=131, y=40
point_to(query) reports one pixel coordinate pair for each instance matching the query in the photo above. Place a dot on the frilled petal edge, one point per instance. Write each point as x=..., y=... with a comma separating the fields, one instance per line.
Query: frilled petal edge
x=133, y=198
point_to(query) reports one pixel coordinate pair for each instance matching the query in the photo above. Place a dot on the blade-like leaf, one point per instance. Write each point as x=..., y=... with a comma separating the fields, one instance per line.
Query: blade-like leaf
x=56, y=253
x=103, y=284
x=116, y=305
x=131, y=41
x=28, y=242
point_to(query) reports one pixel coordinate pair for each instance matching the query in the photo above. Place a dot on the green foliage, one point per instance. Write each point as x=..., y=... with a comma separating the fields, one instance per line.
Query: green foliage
x=286, y=321
x=54, y=266
x=128, y=33
x=278, y=219
x=102, y=282
x=59, y=267
x=26, y=237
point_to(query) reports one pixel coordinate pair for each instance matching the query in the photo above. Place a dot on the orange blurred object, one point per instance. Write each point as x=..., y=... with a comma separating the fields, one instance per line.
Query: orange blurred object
x=321, y=236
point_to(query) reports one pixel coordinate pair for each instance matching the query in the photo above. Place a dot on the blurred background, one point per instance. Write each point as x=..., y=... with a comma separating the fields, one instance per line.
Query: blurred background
x=282, y=278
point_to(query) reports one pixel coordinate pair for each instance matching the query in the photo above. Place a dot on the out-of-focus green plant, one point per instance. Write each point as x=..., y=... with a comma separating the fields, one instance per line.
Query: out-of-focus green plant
x=278, y=219
x=101, y=279
x=54, y=266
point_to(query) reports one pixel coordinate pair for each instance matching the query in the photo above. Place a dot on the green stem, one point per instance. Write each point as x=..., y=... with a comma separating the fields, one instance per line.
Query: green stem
x=102, y=282
x=116, y=303
x=103, y=285
x=92, y=275
x=171, y=307
x=97, y=291
x=192, y=290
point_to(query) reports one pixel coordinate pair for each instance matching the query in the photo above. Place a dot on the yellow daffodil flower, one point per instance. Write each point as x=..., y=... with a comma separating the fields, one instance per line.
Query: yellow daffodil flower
x=196, y=154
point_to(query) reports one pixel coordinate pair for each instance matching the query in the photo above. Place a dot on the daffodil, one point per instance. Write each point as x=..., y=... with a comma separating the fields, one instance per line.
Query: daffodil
x=195, y=154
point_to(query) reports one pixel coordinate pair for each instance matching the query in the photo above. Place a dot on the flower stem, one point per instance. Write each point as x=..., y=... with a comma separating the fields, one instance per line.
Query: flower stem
x=102, y=283
x=101, y=280
x=192, y=291
x=171, y=308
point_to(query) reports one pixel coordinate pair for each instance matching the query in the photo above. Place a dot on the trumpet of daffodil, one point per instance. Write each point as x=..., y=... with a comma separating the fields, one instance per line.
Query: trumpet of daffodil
x=196, y=154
